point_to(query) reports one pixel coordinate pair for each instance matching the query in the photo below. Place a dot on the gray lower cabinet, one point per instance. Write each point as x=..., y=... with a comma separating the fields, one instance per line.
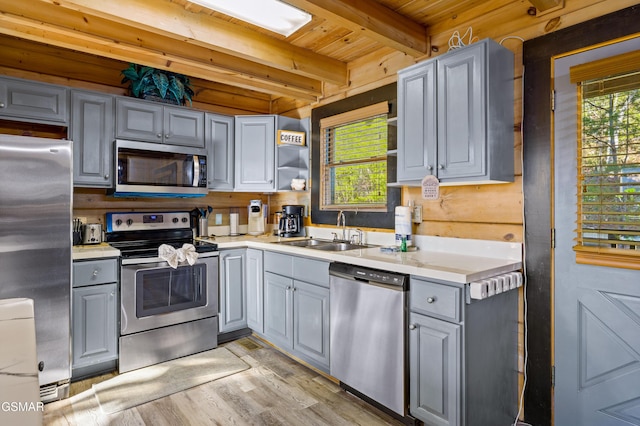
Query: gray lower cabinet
x=232, y=283
x=296, y=306
x=219, y=139
x=94, y=307
x=92, y=133
x=34, y=102
x=255, y=290
x=153, y=122
x=463, y=357
x=455, y=117
x=255, y=153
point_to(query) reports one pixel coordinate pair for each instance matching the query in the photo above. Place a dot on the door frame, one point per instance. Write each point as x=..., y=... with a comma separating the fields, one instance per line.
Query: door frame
x=537, y=181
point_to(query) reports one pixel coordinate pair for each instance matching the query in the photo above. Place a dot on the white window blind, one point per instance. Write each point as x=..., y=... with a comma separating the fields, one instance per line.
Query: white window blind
x=354, y=159
x=609, y=165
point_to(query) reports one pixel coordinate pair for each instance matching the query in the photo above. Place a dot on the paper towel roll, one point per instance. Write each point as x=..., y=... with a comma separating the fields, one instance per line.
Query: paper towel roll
x=233, y=224
x=403, y=224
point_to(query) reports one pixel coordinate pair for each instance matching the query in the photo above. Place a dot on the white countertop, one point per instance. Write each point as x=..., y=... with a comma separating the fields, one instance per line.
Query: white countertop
x=94, y=251
x=448, y=259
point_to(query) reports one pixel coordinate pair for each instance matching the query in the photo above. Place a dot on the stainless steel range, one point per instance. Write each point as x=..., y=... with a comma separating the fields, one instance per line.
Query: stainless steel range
x=166, y=312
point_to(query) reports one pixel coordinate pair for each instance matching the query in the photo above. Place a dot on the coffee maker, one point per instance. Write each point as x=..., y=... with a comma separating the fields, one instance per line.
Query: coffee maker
x=256, y=218
x=290, y=224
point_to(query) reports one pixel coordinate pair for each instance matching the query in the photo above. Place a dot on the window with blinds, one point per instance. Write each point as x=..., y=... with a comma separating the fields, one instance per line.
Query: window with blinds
x=608, y=165
x=354, y=159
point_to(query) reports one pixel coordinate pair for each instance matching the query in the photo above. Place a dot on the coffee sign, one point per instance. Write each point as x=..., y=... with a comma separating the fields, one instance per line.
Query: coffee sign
x=290, y=137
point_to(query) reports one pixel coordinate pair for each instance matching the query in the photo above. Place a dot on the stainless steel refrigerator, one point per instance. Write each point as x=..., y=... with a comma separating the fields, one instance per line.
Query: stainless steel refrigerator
x=35, y=246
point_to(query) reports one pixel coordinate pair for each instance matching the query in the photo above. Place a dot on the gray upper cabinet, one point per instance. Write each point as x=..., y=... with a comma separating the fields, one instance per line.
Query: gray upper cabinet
x=219, y=139
x=92, y=133
x=153, y=122
x=417, y=129
x=255, y=152
x=455, y=117
x=35, y=102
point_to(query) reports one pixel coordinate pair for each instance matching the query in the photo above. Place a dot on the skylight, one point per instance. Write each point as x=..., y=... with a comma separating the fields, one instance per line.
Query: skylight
x=273, y=15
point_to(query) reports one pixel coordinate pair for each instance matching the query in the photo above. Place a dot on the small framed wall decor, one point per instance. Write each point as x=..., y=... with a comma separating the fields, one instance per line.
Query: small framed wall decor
x=291, y=137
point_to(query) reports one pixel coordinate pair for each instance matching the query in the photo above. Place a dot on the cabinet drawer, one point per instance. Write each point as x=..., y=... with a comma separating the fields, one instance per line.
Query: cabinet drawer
x=95, y=272
x=281, y=264
x=311, y=271
x=435, y=299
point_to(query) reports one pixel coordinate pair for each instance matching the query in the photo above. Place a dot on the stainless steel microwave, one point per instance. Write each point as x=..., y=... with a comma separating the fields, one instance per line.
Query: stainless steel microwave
x=145, y=169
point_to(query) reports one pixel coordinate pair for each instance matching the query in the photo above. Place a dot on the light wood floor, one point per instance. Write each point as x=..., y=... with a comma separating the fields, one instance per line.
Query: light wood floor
x=276, y=390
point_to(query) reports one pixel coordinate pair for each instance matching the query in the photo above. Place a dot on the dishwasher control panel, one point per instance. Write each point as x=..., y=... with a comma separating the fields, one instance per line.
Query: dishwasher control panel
x=368, y=274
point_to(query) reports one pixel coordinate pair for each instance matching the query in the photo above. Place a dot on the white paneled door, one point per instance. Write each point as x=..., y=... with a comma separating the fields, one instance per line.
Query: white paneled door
x=597, y=309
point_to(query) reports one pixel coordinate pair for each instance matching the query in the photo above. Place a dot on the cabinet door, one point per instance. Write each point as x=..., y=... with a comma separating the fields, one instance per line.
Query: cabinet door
x=183, y=126
x=233, y=309
x=311, y=321
x=417, y=128
x=94, y=332
x=33, y=102
x=139, y=120
x=92, y=135
x=254, y=279
x=462, y=113
x=435, y=370
x=278, y=323
x=219, y=134
x=255, y=153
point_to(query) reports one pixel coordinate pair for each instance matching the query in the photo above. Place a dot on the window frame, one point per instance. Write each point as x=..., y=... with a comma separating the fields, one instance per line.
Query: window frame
x=361, y=218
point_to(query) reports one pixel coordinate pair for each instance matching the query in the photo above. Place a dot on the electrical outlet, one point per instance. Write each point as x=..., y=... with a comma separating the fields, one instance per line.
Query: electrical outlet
x=417, y=214
x=218, y=218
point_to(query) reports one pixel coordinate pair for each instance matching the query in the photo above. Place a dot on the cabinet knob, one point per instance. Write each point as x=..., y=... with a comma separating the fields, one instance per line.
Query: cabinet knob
x=412, y=326
x=112, y=294
x=95, y=273
x=288, y=288
x=431, y=299
x=106, y=176
x=270, y=181
x=2, y=105
x=167, y=136
x=429, y=168
x=440, y=166
x=159, y=135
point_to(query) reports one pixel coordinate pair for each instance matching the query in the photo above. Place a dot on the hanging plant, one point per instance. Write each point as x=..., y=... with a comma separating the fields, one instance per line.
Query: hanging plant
x=155, y=84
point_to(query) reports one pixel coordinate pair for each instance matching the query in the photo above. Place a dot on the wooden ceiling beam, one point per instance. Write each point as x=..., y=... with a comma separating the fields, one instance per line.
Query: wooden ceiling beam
x=18, y=26
x=174, y=21
x=372, y=19
x=545, y=5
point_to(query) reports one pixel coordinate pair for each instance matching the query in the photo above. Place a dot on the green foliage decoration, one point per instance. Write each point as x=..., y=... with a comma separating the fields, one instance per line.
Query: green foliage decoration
x=147, y=82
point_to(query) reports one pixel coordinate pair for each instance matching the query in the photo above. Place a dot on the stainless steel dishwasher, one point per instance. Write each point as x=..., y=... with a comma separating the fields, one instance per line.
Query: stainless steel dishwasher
x=368, y=334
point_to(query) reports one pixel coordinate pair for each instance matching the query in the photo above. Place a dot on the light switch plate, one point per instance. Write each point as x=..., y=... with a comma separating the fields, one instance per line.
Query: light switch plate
x=417, y=214
x=218, y=218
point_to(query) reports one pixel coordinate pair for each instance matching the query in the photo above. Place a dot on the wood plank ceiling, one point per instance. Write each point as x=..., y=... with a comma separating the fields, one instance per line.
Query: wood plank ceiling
x=234, y=64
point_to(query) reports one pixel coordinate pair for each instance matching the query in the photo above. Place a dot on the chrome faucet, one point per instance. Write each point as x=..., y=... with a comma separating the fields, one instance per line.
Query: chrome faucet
x=358, y=237
x=344, y=225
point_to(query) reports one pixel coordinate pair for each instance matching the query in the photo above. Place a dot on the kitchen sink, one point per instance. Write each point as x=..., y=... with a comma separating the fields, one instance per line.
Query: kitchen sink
x=340, y=246
x=327, y=245
x=305, y=243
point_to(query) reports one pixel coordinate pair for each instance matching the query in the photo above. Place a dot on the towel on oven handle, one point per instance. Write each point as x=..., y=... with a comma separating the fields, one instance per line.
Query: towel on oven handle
x=174, y=256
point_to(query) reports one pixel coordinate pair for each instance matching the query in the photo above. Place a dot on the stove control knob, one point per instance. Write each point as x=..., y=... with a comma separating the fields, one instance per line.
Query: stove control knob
x=118, y=222
x=184, y=220
x=175, y=220
x=129, y=222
